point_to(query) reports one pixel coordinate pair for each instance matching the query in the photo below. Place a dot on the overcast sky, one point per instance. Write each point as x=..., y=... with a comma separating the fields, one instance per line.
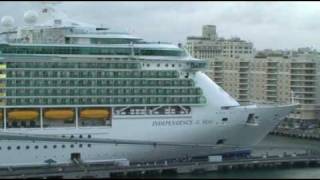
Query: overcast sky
x=273, y=25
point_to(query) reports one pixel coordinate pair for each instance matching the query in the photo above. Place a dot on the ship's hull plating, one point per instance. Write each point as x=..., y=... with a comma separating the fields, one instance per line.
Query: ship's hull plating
x=237, y=135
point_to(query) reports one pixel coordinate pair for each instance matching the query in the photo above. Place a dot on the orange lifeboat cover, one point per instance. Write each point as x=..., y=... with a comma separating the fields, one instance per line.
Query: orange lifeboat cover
x=23, y=115
x=59, y=114
x=95, y=114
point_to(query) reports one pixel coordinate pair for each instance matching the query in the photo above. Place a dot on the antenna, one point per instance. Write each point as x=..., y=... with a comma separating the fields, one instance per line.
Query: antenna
x=48, y=6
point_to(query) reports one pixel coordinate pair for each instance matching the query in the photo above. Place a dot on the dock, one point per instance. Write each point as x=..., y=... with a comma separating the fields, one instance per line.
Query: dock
x=110, y=170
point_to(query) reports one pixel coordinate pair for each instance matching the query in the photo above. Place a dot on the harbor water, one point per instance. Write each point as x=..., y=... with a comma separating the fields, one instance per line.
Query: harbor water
x=272, y=145
x=270, y=173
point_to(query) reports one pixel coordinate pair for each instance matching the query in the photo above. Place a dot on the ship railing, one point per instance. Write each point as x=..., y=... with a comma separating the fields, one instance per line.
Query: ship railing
x=156, y=42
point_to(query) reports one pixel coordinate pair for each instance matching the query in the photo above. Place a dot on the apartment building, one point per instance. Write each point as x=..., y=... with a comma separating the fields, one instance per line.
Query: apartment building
x=209, y=45
x=264, y=76
x=272, y=78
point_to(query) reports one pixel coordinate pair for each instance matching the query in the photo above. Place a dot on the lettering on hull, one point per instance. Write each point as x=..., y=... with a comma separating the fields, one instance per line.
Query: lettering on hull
x=158, y=123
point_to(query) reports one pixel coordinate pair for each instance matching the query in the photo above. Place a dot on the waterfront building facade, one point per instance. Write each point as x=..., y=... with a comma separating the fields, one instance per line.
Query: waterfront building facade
x=209, y=45
x=272, y=78
x=264, y=76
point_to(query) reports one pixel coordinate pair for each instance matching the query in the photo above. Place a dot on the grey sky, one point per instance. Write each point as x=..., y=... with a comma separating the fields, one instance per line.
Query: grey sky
x=275, y=25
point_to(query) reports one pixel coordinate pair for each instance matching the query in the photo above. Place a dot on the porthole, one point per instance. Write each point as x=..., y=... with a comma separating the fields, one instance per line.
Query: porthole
x=0, y=148
x=89, y=145
x=158, y=65
x=9, y=147
x=27, y=147
x=18, y=147
x=71, y=145
x=80, y=136
x=63, y=146
x=167, y=65
x=36, y=147
x=89, y=136
x=80, y=145
x=54, y=146
x=71, y=136
x=45, y=146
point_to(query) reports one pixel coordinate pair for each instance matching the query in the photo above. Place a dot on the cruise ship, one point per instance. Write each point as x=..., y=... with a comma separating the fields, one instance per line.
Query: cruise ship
x=73, y=90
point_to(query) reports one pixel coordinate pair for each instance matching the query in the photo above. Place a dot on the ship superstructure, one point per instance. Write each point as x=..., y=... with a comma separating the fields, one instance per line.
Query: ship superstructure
x=68, y=88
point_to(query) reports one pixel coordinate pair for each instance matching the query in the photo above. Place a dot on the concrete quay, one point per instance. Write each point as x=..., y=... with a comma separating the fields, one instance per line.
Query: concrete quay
x=107, y=170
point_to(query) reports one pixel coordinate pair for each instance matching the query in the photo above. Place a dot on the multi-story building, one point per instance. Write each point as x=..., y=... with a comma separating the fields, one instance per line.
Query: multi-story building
x=209, y=45
x=231, y=74
x=272, y=78
x=266, y=76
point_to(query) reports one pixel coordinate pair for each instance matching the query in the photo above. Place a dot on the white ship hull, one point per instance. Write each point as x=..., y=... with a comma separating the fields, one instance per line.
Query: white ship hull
x=148, y=138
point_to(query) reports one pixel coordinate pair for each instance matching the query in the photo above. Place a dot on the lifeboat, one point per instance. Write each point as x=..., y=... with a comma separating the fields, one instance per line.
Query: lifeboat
x=98, y=114
x=23, y=115
x=59, y=114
